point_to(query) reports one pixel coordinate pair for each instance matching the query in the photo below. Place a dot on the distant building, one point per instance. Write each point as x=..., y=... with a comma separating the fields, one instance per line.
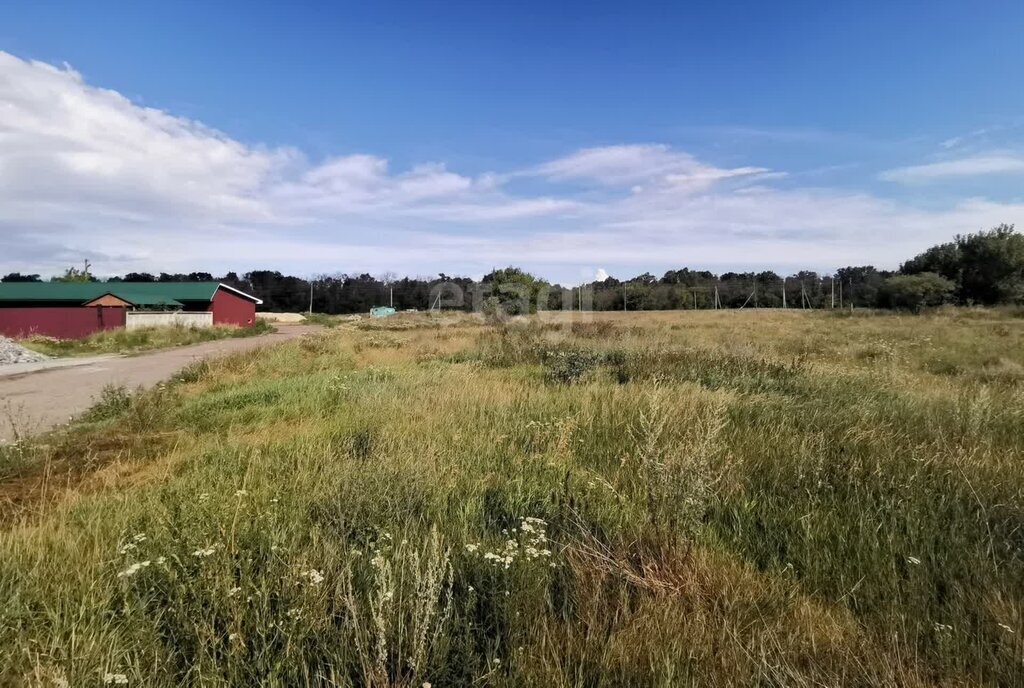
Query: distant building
x=68, y=310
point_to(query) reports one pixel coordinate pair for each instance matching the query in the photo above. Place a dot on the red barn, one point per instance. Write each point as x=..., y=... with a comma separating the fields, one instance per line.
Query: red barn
x=75, y=309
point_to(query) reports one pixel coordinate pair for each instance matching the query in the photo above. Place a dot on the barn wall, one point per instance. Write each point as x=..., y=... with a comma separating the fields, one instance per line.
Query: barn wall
x=62, y=322
x=231, y=309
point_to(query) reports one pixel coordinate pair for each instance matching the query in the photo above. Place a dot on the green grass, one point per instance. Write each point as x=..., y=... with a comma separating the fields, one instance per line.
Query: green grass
x=644, y=499
x=322, y=319
x=122, y=341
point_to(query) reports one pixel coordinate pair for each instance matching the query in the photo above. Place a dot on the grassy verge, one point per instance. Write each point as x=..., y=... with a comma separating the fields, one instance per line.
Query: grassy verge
x=123, y=341
x=642, y=499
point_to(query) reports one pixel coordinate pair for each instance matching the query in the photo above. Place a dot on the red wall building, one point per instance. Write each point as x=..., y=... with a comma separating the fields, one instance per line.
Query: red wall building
x=62, y=322
x=231, y=309
x=72, y=310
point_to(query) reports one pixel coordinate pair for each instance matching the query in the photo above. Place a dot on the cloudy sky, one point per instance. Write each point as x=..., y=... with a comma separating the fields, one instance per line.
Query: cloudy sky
x=588, y=139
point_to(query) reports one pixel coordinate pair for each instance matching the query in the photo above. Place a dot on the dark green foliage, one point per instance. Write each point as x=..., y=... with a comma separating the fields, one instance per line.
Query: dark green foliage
x=916, y=292
x=987, y=267
x=992, y=266
x=114, y=400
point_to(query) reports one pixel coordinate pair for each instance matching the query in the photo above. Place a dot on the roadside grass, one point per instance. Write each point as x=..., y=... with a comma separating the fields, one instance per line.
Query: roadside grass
x=133, y=341
x=322, y=319
x=792, y=499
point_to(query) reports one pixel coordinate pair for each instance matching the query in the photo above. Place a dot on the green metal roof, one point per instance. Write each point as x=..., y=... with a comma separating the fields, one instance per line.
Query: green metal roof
x=140, y=293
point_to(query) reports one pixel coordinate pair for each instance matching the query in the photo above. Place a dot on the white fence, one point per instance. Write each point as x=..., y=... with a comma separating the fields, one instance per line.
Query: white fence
x=136, y=319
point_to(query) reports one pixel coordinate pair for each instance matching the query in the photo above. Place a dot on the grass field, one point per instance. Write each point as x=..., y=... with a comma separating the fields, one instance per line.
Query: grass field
x=643, y=499
x=122, y=341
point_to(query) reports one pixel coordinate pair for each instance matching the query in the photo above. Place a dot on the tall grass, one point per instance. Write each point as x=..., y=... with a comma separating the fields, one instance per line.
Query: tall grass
x=645, y=499
x=121, y=341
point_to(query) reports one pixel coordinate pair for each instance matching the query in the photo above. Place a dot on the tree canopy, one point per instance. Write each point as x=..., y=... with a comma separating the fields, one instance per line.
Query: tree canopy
x=984, y=268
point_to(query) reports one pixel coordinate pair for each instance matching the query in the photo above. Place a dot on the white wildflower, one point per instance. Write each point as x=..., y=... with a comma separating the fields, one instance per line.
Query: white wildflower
x=205, y=551
x=133, y=569
x=315, y=577
x=241, y=493
x=234, y=591
x=472, y=548
x=115, y=679
x=139, y=537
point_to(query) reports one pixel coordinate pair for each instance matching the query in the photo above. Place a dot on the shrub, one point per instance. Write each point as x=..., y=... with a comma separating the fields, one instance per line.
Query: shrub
x=916, y=292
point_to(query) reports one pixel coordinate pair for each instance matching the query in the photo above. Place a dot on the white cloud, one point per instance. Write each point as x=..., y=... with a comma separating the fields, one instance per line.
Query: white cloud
x=630, y=165
x=973, y=166
x=600, y=275
x=85, y=172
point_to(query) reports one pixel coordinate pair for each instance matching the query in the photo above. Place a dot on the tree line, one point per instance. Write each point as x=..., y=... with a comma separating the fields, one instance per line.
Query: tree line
x=986, y=268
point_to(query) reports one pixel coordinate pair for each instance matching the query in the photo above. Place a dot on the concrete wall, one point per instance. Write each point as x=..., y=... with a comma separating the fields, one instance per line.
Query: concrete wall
x=137, y=319
x=62, y=322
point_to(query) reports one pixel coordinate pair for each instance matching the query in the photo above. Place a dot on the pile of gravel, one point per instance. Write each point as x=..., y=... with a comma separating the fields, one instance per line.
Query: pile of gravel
x=12, y=352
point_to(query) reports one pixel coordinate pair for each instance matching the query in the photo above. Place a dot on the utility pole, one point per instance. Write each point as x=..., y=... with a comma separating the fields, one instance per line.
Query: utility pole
x=695, y=299
x=311, y=297
x=783, y=292
x=718, y=303
x=840, y=294
x=623, y=297
x=392, y=290
x=833, y=292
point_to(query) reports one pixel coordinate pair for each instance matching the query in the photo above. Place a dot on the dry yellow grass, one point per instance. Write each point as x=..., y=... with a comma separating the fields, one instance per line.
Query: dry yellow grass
x=728, y=498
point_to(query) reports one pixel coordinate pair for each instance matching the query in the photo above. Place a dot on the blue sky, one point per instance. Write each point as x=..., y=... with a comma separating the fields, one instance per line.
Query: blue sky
x=570, y=139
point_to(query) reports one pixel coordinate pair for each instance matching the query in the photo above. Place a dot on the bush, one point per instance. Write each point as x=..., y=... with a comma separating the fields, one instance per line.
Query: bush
x=915, y=292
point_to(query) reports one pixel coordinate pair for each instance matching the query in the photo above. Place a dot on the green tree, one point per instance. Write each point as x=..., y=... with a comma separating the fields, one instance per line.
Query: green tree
x=915, y=292
x=943, y=259
x=512, y=291
x=18, y=277
x=73, y=274
x=992, y=266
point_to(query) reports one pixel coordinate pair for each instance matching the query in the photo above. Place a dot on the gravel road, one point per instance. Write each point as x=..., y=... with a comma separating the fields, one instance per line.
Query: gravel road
x=40, y=399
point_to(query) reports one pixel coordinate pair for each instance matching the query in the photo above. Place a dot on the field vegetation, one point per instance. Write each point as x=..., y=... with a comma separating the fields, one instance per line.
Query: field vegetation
x=643, y=499
x=122, y=341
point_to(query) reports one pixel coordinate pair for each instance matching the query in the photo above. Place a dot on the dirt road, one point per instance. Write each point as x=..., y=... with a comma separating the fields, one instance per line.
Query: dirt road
x=38, y=399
